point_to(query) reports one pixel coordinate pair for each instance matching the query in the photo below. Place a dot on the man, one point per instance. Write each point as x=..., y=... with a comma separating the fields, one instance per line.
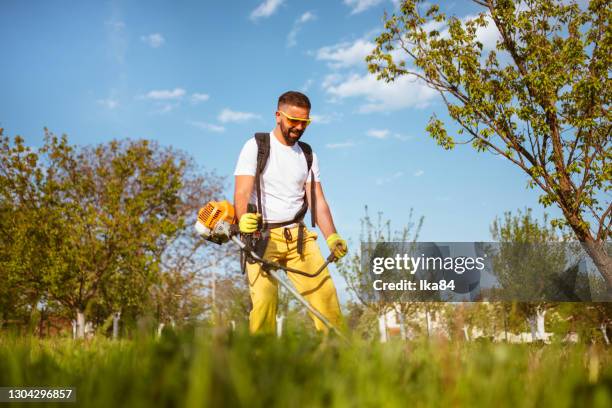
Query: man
x=284, y=184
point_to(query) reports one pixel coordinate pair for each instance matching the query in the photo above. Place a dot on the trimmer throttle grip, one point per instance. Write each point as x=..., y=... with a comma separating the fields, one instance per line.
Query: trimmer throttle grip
x=252, y=208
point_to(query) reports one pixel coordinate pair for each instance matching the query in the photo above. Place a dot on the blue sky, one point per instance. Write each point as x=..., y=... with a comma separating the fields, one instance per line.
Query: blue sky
x=203, y=76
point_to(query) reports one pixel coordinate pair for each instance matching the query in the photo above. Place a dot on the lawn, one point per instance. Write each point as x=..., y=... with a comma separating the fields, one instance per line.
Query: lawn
x=201, y=368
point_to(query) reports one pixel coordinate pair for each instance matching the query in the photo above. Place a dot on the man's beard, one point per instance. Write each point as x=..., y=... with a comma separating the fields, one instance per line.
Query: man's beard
x=291, y=135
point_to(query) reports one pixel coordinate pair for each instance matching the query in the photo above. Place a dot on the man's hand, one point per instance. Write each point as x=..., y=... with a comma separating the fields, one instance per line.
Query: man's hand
x=248, y=223
x=337, y=245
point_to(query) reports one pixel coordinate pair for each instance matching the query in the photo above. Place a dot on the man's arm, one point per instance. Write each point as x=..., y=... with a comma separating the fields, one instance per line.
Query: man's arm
x=243, y=187
x=324, y=217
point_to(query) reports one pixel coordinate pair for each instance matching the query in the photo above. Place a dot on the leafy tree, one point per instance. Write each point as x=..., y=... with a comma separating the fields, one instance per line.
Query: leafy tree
x=529, y=256
x=188, y=264
x=179, y=297
x=468, y=320
x=529, y=263
x=601, y=315
x=100, y=220
x=26, y=224
x=590, y=321
x=541, y=98
x=232, y=300
x=360, y=284
x=361, y=320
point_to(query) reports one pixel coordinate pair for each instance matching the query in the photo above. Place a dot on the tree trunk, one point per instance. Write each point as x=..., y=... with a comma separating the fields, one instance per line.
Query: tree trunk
x=531, y=320
x=540, y=324
x=465, y=332
x=279, y=325
x=402, y=323
x=505, y=323
x=428, y=322
x=116, y=318
x=80, y=324
x=41, y=323
x=382, y=327
x=602, y=261
x=604, y=330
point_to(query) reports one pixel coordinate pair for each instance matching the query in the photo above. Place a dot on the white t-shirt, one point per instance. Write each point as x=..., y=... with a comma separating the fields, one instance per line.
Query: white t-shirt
x=283, y=179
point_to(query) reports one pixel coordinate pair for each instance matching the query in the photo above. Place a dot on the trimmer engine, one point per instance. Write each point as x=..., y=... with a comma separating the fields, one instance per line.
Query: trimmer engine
x=216, y=221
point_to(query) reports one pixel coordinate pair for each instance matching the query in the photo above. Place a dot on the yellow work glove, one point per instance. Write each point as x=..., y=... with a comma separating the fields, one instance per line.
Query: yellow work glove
x=248, y=223
x=337, y=245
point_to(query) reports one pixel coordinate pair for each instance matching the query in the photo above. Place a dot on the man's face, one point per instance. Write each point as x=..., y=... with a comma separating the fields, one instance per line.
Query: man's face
x=292, y=130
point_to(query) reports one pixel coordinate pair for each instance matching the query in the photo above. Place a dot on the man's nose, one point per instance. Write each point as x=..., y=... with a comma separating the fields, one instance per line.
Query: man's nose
x=300, y=125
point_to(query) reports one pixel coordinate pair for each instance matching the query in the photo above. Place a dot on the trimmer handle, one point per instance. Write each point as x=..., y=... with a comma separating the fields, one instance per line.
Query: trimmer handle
x=252, y=208
x=331, y=258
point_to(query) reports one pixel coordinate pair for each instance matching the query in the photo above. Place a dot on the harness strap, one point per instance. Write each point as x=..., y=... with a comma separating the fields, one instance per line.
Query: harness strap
x=300, y=239
x=263, y=154
x=309, y=159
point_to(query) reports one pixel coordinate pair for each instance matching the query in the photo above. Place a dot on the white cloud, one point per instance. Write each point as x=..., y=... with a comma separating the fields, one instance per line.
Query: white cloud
x=378, y=133
x=117, y=40
x=380, y=96
x=488, y=35
x=207, y=126
x=165, y=94
x=340, y=145
x=154, y=40
x=433, y=25
x=330, y=80
x=358, y=6
x=306, y=17
x=307, y=85
x=291, y=37
x=401, y=137
x=325, y=119
x=320, y=119
x=165, y=108
x=199, y=97
x=228, y=115
x=297, y=26
x=384, y=180
x=266, y=9
x=419, y=173
x=346, y=54
x=108, y=103
x=115, y=24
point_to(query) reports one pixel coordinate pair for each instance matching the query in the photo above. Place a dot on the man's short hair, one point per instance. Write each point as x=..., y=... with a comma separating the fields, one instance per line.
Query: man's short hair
x=294, y=98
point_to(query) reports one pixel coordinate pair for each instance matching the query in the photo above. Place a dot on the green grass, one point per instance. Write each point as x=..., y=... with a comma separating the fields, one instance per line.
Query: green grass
x=201, y=369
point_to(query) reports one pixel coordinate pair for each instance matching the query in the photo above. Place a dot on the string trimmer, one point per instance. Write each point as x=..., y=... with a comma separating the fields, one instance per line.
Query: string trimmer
x=217, y=223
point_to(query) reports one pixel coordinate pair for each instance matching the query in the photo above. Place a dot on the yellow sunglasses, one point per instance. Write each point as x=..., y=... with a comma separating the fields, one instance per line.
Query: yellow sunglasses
x=295, y=121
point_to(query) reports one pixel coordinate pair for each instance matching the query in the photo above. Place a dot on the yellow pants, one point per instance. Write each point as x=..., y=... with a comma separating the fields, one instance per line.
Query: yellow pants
x=319, y=291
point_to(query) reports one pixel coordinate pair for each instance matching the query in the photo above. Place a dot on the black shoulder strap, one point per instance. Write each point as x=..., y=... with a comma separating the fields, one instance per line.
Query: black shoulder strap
x=263, y=153
x=307, y=152
x=309, y=158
